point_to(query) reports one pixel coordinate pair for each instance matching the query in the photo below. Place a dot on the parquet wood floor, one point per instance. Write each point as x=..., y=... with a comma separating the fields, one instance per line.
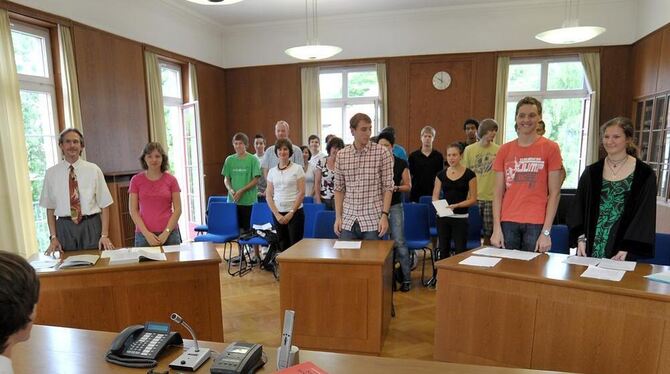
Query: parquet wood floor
x=251, y=313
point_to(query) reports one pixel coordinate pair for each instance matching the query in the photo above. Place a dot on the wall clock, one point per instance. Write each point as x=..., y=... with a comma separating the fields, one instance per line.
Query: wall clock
x=441, y=80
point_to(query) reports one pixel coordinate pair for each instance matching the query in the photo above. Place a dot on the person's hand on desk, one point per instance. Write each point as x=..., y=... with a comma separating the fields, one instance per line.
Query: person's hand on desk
x=543, y=244
x=104, y=243
x=581, y=248
x=497, y=239
x=620, y=256
x=54, y=247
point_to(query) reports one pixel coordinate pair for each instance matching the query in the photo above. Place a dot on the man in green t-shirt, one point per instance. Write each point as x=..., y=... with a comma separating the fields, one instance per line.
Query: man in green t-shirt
x=479, y=158
x=241, y=172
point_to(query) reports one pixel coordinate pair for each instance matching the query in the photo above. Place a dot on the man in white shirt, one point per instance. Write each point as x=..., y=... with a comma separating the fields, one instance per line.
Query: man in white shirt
x=19, y=292
x=75, y=192
x=270, y=159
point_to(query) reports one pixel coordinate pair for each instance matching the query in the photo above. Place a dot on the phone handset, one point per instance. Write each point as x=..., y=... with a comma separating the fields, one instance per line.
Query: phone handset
x=283, y=357
x=138, y=346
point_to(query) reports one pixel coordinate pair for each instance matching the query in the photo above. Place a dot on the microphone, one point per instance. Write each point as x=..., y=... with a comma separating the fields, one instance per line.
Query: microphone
x=193, y=357
x=180, y=321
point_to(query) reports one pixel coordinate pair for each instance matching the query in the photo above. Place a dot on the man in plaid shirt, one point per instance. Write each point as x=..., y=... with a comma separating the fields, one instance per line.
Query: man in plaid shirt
x=363, y=185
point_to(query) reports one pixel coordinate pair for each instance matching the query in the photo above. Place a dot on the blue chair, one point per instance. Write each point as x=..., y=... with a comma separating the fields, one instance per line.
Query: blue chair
x=417, y=234
x=432, y=214
x=308, y=200
x=662, y=255
x=260, y=215
x=222, y=224
x=311, y=211
x=560, y=239
x=201, y=229
x=474, y=228
x=323, y=229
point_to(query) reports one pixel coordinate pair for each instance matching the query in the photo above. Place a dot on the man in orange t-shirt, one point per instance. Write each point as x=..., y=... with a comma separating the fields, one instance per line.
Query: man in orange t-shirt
x=528, y=184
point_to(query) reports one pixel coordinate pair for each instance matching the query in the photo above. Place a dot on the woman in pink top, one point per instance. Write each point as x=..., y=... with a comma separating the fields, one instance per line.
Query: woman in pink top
x=155, y=206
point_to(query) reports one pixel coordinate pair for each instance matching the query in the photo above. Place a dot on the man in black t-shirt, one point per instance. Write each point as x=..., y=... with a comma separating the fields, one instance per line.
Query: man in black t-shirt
x=424, y=164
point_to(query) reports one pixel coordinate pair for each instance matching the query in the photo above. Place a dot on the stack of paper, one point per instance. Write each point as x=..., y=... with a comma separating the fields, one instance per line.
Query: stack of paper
x=480, y=261
x=663, y=276
x=603, y=263
x=133, y=255
x=441, y=208
x=176, y=247
x=79, y=260
x=44, y=263
x=602, y=273
x=506, y=253
x=581, y=260
x=343, y=244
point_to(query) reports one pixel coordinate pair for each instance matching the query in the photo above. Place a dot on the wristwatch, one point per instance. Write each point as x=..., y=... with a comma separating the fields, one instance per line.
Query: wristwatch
x=167, y=230
x=546, y=233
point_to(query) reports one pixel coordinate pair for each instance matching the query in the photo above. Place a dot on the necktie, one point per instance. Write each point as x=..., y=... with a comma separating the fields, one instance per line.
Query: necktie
x=75, y=204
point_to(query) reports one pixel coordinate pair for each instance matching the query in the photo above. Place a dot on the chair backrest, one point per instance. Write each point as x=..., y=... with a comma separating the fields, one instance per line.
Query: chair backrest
x=474, y=223
x=416, y=221
x=560, y=238
x=662, y=255
x=308, y=200
x=310, y=218
x=261, y=214
x=222, y=219
x=432, y=214
x=323, y=229
x=214, y=199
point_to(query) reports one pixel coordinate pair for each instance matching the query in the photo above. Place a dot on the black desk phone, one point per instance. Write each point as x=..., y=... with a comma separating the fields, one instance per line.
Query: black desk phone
x=139, y=346
x=238, y=358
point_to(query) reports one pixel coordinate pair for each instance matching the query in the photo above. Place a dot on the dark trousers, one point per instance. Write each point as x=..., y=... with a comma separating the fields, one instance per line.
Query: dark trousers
x=292, y=232
x=244, y=217
x=84, y=235
x=449, y=228
x=521, y=236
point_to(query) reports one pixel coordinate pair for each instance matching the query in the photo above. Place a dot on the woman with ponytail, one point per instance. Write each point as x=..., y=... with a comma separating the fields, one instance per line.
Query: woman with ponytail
x=614, y=215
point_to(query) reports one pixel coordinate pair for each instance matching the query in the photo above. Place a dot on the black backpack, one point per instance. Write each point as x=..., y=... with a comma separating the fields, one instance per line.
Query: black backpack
x=269, y=262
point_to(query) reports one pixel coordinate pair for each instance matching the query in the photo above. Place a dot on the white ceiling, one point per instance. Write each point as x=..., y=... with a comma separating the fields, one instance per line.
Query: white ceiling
x=250, y=12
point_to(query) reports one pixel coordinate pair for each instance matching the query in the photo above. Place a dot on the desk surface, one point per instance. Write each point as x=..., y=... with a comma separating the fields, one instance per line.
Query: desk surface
x=322, y=251
x=550, y=268
x=197, y=252
x=65, y=350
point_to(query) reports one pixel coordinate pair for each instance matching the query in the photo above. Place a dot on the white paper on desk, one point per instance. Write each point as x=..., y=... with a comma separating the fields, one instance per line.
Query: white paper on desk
x=581, y=260
x=267, y=226
x=601, y=273
x=122, y=252
x=44, y=263
x=441, y=208
x=176, y=248
x=617, y=265
x=482, y=261
x=507, y=253
x=342, y=244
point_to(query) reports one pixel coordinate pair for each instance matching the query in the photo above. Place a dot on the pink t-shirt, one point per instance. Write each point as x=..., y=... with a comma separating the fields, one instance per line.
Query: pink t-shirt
x=155, y=199
x=526, y=172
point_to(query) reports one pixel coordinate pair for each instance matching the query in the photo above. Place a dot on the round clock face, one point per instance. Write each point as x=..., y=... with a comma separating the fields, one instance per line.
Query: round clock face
x=441, y=80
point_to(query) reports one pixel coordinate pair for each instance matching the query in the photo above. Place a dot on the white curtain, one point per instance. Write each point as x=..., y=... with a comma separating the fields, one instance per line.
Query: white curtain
x=501, y=97
x=591, y=63
x=192, y=83
x=17, y=222
x=381, y=79
x=157, y=132
x=70, y=86
x=311, y=102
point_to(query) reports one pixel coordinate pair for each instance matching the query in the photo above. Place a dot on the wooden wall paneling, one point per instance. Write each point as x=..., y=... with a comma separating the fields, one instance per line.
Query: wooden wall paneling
x=484, y=84
x=615, y=82
x=212, y=104
x=397, y=76
x=646, y=56
x=663, y=81
x=444, y=110
x=113, y=96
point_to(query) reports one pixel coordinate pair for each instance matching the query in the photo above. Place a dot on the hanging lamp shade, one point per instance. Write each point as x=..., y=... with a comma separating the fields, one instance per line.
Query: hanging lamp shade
x=312, y=50
x=215, y=2
x=571, y=32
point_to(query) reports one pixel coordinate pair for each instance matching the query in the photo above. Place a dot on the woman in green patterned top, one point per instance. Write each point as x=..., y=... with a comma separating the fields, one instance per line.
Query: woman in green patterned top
x=614, y=214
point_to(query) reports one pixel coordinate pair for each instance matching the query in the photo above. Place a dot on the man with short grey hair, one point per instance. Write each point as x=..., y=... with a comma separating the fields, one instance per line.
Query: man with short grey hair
x=270, y=158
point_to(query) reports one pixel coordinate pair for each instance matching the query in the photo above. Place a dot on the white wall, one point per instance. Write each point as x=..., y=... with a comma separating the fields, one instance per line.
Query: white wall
x=421, y=32
x=153, y=22
x=652, y=15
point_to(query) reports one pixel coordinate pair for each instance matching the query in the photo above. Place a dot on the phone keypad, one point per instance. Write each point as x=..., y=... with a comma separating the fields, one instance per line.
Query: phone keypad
x=147, y=345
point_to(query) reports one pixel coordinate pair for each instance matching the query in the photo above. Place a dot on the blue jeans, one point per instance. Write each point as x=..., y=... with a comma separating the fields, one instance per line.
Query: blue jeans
x=173, y=239
x=357, y=234
x=521, y=236
x=397, y=226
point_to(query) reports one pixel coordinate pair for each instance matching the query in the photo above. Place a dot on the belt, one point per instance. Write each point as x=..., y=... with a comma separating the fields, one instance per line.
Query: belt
x=83, y=218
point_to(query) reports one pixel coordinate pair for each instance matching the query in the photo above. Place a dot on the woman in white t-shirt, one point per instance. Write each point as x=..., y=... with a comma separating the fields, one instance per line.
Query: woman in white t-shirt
x=285, y=192
x=309, y=169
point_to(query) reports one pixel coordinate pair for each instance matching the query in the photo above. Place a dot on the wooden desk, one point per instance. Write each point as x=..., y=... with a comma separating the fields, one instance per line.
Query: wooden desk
x=73, y=351
x=109, y=298
x=341, y=297
x=541, y=314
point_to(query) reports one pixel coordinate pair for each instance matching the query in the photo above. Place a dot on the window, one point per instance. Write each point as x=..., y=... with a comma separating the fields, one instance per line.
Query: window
x=652, y=118
x=560, y=84
x=32, y=53
x=345, y=92
x=183, y=147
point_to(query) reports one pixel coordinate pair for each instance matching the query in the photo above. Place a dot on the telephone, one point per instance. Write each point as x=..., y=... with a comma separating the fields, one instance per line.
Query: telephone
x=138, y=346
x=238, y=358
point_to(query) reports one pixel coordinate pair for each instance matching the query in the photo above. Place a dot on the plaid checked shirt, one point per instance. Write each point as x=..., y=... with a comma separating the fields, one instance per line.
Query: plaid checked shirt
x=363, y=176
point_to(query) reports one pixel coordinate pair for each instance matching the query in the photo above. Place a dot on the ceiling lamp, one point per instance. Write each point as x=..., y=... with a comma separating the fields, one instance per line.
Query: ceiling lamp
x=571, y=32
x=312, y=50
x=215, y=2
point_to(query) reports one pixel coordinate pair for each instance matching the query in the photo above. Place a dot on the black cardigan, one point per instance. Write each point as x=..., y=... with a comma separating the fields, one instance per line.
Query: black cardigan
x=636, y=229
